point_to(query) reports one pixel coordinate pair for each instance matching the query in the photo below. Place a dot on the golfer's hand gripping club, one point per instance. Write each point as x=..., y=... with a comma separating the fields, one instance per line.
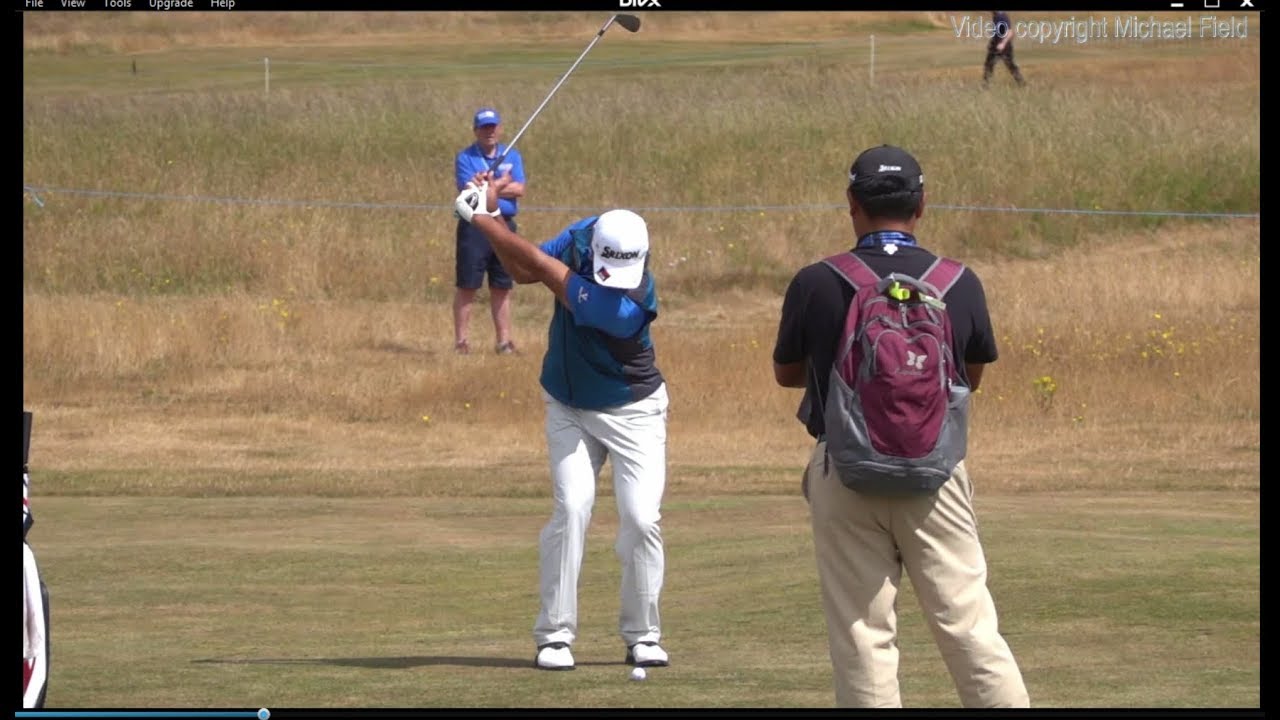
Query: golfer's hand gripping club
x=473, y=200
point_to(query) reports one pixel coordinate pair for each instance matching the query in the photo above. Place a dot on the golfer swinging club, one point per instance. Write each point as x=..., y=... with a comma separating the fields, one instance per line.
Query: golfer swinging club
x=605, y=398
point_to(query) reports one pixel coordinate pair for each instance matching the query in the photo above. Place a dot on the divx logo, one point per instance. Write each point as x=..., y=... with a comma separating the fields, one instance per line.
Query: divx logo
x=639, y=3
x=612, y=254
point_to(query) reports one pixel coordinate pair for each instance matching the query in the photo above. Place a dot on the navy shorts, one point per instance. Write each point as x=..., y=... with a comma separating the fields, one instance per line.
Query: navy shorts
x=475, y=258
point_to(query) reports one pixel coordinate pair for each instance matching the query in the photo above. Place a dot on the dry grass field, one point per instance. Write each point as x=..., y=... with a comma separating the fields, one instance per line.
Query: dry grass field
x=248, y=416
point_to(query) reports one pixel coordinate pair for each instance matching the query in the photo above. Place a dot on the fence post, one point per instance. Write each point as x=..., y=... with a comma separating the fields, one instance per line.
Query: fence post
x=873, y=59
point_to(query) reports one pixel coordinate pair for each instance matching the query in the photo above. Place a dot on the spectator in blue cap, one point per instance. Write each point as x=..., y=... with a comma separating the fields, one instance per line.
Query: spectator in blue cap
x=475, y=257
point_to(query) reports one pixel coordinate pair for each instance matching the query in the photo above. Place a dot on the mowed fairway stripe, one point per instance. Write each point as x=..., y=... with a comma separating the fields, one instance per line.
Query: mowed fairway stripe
x=1131, y=600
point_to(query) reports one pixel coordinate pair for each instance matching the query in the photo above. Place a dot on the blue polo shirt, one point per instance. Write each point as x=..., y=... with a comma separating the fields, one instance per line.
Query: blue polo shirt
x=471, y=160
x=599, y=353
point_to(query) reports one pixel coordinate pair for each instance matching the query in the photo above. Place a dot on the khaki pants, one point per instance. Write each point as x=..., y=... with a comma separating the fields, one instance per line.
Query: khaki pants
x=862, y=543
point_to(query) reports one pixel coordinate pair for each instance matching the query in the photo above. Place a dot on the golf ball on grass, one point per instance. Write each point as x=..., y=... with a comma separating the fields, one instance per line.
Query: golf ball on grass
x=638, y=673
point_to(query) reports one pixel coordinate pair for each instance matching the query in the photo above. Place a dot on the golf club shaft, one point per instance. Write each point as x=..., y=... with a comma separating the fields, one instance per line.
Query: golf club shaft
x=594, y=40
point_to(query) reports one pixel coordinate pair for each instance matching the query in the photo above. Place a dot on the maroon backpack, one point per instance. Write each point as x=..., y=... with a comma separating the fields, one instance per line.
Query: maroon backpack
x=896, y=410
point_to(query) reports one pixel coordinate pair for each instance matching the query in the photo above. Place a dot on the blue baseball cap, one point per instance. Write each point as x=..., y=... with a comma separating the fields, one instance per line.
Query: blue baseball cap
x=486, y=116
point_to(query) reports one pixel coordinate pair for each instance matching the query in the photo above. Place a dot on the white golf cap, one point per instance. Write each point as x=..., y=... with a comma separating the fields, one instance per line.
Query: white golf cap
x=619, y=247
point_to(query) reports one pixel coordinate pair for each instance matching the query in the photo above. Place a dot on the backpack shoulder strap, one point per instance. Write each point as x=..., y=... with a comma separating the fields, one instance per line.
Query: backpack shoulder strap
x=943, y=274
x=853, y=269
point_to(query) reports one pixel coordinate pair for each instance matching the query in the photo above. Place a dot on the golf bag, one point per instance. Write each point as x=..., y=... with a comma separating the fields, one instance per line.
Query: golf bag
x=35, y=598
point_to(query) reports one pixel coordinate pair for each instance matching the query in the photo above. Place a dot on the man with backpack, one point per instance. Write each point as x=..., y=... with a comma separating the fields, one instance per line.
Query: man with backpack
x=888, y=363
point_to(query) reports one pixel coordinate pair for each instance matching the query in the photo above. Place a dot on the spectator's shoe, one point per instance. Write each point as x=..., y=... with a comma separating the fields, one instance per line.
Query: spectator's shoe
x=554, y=656
x=462, y=347
x=506, y=348
x=647, y=654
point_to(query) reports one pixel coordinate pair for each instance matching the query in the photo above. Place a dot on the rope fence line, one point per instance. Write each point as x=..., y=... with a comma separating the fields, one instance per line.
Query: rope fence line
x=35, y=191
x=855, y=47
x=856, y=43
x=437, y=67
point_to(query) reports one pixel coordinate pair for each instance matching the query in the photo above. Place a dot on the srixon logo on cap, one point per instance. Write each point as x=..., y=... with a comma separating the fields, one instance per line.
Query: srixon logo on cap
x=612, y=254
x=890, y=168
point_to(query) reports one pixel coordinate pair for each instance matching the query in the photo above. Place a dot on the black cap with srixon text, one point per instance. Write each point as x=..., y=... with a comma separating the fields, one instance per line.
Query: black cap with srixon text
x=885, y=169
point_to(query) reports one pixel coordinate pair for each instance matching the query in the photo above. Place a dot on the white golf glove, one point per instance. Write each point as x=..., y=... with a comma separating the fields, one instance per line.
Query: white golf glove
x=473, y=200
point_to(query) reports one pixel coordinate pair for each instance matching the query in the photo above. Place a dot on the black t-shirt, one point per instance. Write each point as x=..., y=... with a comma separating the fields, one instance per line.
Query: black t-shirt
x=817, y=300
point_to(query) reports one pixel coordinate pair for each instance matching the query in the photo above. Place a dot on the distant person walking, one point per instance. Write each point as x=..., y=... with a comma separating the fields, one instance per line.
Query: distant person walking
x=605, y=400
x=474, y=258
x=864, y=539
x=1001, y=47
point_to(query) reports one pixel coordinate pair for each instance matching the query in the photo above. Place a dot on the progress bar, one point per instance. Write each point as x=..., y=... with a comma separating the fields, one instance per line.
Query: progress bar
x=264, y=714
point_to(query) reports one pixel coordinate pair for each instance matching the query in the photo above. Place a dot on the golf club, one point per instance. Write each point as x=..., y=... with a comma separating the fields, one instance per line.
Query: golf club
x=630, y=23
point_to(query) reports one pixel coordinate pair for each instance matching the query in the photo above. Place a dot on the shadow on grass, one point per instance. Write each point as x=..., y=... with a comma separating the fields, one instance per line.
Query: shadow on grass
x=394, y=663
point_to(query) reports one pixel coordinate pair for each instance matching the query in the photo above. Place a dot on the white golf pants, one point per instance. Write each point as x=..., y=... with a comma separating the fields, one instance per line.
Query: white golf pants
x=633, y=438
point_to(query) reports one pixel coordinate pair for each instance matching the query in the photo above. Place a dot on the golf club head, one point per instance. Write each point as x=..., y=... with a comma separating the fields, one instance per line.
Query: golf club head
x=630, y=22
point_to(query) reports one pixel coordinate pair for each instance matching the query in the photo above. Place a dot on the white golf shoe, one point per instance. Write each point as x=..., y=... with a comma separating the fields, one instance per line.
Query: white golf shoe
x=647, y=654
x=554, y=656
